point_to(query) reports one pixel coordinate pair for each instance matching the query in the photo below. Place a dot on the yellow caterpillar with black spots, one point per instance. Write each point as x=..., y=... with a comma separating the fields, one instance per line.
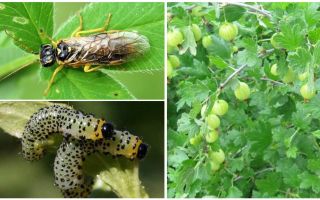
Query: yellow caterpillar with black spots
x=63, y=120
x=68, y=165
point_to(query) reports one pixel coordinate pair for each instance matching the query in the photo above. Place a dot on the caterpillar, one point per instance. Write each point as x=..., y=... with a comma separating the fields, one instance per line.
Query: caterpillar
x=68, y=165
x=63, y=120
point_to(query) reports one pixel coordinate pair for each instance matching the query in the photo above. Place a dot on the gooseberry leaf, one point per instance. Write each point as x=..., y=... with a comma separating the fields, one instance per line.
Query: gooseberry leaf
x=232, y=12
x=316, y=53
x=291, y=37
x=189, y=42
x=234, y=192
x=28, y=24
x=14, y=115
x=300, y=59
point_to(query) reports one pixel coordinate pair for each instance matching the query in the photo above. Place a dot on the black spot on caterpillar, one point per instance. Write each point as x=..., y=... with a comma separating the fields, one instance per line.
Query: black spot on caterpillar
x=68, y=165
x=63, y=120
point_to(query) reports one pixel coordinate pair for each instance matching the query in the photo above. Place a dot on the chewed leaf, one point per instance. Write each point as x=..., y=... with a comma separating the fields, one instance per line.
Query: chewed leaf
x=14, y=115
x=28, y=24
x=118, y=175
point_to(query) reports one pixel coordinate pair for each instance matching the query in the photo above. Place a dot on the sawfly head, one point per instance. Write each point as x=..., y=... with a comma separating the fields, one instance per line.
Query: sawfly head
x=47, y=55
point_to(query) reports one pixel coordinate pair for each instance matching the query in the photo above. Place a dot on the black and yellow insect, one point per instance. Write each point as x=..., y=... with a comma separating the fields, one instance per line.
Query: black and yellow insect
x=60, y=119
x=68, y=166
x=101, y=48
x=83, y=135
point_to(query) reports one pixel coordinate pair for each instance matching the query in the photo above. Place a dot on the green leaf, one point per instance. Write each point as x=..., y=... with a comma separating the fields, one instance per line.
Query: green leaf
x=311, y=15
x=189, y=41
x=17, y=64
x=236, y=164
x=187, y=125
x=18, y=75
x=270, y=184
x=287, y=167
x=316, y=53
x=217, y=61
x=233, y=12
x=76, y=84
x=292, y=152
x=190, y=92
x=249, y=55
x=185, y=177
x=176, y=139
x=14, y=115
x=28, y=24
x=314, y=165
x=309, y=181
x=314, y=35
x=300, y=59
x=234, y=192
x=316, y=134
x=291, y=37
x=260, y=137
x=177, y=157
x=220, y=48
x=13, y=58
x=115, y=173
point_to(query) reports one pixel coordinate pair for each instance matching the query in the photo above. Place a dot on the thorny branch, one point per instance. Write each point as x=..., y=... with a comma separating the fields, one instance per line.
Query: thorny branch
x=238, y=70
x=272, y=81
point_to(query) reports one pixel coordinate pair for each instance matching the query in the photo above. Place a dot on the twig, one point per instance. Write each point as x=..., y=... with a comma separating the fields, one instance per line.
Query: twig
x=252, y=8
x=189, y=9
x=256, y=173
x=238, y=178
x=273, y=81
x=263, y=170
x=238, y=70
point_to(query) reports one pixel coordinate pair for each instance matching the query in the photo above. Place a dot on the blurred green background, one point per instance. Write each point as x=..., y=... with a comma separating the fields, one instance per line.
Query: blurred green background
x=134, y=81
x=20, y=178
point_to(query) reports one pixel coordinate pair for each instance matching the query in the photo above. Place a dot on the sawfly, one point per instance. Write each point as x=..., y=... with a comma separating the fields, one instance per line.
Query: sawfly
x=98, y=48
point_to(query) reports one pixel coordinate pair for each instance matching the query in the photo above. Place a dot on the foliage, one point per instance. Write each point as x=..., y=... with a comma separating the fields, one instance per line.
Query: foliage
x=270, y=140
x=31, y=24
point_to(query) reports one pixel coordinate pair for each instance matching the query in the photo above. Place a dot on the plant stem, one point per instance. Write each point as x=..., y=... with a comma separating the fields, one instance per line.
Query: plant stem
x=273, y=81
x=264, y=170
x=292, y=136
x=238, y=70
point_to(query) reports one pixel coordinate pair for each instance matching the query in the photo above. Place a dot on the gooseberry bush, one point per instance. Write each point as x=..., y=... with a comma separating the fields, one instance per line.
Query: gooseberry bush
x=243, y=102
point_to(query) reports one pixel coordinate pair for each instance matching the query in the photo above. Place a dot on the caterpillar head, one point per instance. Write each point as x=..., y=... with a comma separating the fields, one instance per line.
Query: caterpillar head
x=107, y=130
x=142, y=151
x=123, y=143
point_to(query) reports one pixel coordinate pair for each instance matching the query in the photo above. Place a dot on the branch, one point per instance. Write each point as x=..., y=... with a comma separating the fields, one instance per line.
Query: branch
x=272, y=81
x=252, y=8
x=238, y=70
x=263, y=171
